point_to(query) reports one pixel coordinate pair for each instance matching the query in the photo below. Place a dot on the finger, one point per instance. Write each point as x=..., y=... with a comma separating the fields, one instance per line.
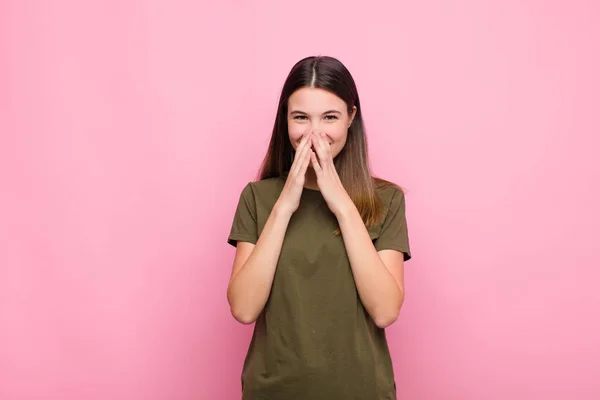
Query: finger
x=320, y=150
x=303, y=143
x=305, y=162
x=315, y=144
x=315, y=163
x=301, y=156
x=326, y=144
x=305, y=139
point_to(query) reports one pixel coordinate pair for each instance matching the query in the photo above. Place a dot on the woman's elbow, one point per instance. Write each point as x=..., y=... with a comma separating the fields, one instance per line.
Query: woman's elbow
x=240, y=309
x=242, y=316
x=384, y=321
x=389, y=316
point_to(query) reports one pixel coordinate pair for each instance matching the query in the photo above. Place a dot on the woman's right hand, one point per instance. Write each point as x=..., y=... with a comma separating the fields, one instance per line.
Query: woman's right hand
x=289, y=199
x=254, y=265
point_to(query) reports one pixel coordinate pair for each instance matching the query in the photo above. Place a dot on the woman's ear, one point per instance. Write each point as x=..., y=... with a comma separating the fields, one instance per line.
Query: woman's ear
x=352, y=115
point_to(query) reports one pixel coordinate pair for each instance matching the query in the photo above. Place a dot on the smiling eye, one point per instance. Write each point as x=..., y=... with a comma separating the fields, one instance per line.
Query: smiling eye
x=302, y=117
x=331, y=117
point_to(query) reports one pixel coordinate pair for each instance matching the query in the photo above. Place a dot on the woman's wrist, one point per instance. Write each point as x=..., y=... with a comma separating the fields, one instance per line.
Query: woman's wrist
x=347, y=209
x=281, y=211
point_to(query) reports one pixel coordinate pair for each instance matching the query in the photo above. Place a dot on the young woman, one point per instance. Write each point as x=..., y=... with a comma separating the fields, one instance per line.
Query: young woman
x=320, y=250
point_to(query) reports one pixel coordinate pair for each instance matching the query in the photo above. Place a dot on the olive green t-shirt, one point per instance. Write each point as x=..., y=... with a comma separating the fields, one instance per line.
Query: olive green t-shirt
x=314, y=339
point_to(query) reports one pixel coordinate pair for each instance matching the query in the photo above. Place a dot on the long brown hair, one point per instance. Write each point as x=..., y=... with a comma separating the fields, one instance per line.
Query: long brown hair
x=352, y=162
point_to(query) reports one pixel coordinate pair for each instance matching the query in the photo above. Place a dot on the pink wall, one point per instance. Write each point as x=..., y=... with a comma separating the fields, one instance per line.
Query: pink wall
x=120, y=120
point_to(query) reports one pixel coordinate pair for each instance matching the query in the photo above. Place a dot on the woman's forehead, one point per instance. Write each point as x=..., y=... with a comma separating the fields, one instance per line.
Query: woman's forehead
x=314, y=100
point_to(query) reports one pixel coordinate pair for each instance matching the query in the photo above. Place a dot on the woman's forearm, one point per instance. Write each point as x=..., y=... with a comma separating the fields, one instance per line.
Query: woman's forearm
x=377, y=288
x=249, y=289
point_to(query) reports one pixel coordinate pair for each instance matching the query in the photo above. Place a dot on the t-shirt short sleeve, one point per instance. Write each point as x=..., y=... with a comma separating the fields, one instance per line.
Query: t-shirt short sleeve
x=244, y=226
x=394, y=232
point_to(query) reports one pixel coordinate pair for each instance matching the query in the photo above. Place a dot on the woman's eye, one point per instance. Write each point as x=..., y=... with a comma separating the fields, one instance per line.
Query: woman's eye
x=302, y=117
x=331, y=117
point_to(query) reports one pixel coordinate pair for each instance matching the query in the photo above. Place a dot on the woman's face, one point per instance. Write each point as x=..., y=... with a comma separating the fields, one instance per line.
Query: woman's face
x=317, y=110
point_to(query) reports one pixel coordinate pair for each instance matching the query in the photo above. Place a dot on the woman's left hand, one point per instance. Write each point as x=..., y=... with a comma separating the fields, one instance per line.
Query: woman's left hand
x=328, y=179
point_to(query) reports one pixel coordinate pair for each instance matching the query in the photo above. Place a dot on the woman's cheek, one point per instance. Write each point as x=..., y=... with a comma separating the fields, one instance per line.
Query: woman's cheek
x=295, y=132
x=339, y=134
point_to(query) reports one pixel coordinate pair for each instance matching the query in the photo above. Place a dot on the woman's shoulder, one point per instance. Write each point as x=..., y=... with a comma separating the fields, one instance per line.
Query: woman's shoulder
x=267, y=185
x=264, y=188
x=387, y=189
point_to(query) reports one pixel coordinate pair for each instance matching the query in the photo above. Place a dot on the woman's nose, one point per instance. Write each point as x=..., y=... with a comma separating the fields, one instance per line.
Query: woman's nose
x=316, y=126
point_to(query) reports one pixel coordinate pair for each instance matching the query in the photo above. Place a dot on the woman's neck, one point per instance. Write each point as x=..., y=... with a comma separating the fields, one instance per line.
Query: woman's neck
x=310, y=179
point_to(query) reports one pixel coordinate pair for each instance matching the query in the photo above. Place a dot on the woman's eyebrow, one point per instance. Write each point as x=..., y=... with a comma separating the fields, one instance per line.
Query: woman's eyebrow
x=326, y=112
